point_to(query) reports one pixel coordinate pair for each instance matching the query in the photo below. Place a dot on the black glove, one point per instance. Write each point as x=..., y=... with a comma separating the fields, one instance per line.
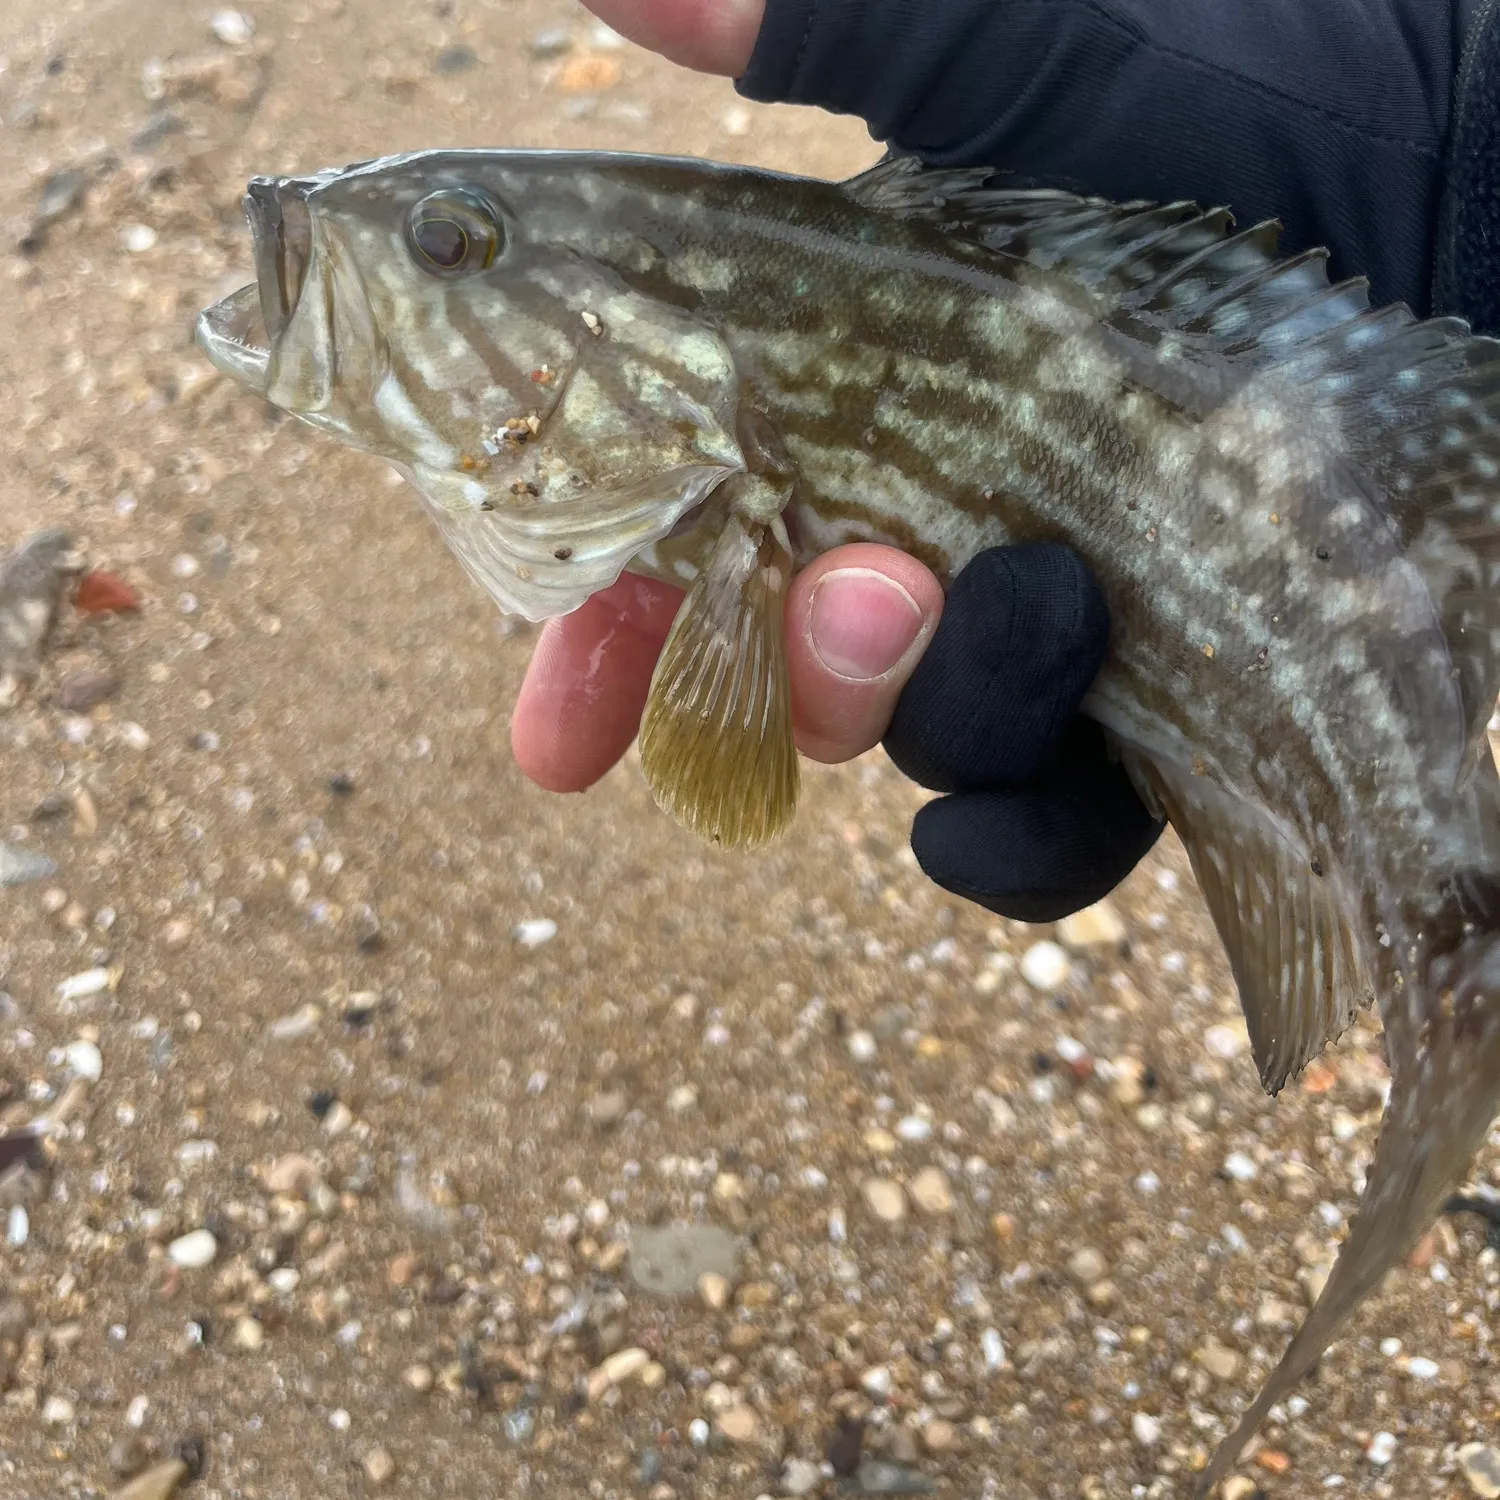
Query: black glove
x=1371, y=129
x=1040, y=820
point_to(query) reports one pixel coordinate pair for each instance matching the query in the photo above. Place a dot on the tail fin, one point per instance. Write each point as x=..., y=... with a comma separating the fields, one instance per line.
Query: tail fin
x=1444, y=1041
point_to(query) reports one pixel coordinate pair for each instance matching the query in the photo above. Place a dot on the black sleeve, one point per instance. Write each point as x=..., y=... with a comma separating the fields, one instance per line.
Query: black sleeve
x=1331, y=115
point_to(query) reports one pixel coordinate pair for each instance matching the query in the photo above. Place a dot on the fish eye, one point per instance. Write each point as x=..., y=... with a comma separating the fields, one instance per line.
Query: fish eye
x=454, y=233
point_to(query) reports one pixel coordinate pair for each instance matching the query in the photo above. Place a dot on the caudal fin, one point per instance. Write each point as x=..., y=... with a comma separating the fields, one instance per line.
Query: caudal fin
x=1445, y=1087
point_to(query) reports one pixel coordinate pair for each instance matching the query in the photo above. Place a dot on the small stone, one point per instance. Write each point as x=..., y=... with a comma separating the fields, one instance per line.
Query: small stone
x=992, y=1347
x=21, y=866
x=862, y=1046
x=616, y=1370
x=1273, y=1460
x=758, y=1294
x=194, y=1250
x=1419, y=1367
x=128, y=1455
x=931, y=1191
x=536, y=931
x=84, y=986
x=735, y=120
x=418, y=1378
x=232, y=27
x=653, y=1376
x=57, y=1411
x=886, y=1199
x=17, y=1226
x=739, y=1423
x=292, y=1173
x=1087, y=1265
x=85, y=1060
x=699, y=1432
x=456, y=59
x=875, y=1476
x=249, y=1334
x=379, y=1466
x=78, y=692
x=159, y=1482
x=1237, y=1487
x=138, y=238
x=1146, y=1429
x=1481, y=1467
x=940, y=1436
x=552, y=42
x=876, y=1382
x=800, y=1477
x=300, y=1023
x=1381, y=1449
x=1226, y=1041
x=1096, y=926
x=607, y=1109
x=1045, y=967
x=338, y=1118
x=914, y=1129
x=713, y=1291
x=1221, y=1363
x=1240, y=1167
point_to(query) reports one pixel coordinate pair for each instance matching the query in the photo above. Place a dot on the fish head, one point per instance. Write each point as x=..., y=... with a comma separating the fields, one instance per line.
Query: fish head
x=464, y=315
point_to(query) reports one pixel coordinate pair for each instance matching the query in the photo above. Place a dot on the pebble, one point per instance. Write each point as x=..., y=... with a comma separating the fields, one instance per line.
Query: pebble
x=800, y=1477
x=85, y=1060
x=1221, y=1363
x=17, y=1226
x=193, y=1250
x=1097, y=926
x=1239, y=1166
x=1045, y=967
x=876, y=1476
x=735, y=120
x=379, y=1466
x=992, y=1347
x=713, y=1291
x=1087, y=1266
x=552, y=42
x=1481, y=1468
x=862, y=1046
x=739, y=1423
x=418, y=1378
x=1237, y=1487
x=607, y=1109
x=616, y=1370
x=931, y=1192
x=536, y=931
x=128, y=1455
x=886, y=1199
x=292, y=1173
x=876, y=1382
x=57, y=1411
x=698, y=1432
x=1145, y=1428
x=78, y=692
x=1421, y=1368
x=19, y=866
x=1381, y=1449
x=138, y=238
x=159, y=1482
x=1226, y=1041
x=940, y=1436
x=914, y=1129
x=232, y=27
x=300, y=1023
x=85, y=985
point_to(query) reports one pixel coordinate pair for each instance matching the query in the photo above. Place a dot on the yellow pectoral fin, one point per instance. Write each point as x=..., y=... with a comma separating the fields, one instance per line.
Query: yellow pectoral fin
x=716, y=738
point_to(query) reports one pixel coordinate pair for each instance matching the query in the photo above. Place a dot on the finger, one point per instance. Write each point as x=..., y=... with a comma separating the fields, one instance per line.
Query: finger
x=1023, y=635
x=1043, y=852
x=857, y=622
x=713, y=36
x=580, y=704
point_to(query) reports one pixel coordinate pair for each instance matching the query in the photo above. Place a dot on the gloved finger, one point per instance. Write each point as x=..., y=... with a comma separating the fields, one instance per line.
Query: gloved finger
x=1043, y=851
x=1023, y=635
x=713, y=36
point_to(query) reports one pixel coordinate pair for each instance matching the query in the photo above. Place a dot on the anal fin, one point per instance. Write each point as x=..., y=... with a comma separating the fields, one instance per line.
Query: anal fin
x=1288, y=930
x=716, y=737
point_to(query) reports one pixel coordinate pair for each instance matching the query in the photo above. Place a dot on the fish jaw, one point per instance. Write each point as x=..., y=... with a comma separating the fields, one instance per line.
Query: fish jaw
x=224, y=333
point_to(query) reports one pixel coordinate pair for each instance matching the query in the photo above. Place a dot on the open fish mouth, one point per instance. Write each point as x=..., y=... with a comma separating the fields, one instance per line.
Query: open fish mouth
x=227, y=334
x=239, y=333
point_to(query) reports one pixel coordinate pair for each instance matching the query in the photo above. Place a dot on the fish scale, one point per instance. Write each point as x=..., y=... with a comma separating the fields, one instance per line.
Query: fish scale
x=711, y=375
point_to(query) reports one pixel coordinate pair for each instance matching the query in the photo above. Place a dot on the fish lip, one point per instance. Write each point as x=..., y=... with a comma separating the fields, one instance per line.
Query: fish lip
x=281, y=231
x=223, y=333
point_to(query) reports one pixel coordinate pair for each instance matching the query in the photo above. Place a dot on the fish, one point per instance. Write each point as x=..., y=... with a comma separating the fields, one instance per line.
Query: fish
x=592, y=363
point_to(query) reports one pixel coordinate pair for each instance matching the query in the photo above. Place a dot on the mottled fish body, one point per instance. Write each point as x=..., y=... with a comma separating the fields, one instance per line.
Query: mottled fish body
x=711, y=375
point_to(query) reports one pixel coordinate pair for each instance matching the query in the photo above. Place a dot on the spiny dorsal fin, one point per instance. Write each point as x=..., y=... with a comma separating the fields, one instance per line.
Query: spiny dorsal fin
x=1291, y=943
x=1418, y=402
